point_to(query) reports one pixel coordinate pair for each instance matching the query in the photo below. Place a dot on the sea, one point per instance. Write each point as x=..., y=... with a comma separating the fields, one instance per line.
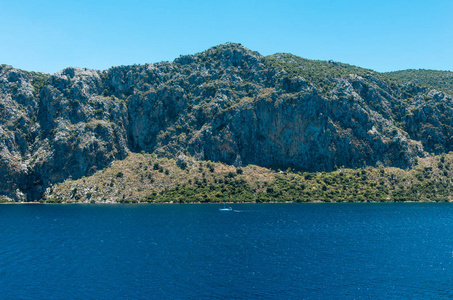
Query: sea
x=256, y=251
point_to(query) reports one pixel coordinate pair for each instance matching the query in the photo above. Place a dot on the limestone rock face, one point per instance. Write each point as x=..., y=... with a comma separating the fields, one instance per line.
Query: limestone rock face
x=18, y=130
x=227, y=104
x=66, y=129
x=305, y=131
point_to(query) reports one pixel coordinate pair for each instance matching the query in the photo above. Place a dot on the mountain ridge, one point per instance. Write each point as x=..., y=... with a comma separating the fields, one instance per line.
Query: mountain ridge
x=227, y=104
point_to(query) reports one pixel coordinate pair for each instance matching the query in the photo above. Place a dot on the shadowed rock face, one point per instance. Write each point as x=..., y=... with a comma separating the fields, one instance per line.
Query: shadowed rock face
x=226, y=104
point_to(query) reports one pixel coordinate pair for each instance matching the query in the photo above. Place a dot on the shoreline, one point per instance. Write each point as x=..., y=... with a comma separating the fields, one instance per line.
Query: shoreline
x=212, y=203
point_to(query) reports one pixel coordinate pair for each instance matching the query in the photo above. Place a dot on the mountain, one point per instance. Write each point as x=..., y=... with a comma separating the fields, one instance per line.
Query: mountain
x=227, y=104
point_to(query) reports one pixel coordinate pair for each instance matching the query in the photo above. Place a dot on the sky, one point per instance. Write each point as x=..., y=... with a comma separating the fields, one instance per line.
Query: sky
x=385, y=35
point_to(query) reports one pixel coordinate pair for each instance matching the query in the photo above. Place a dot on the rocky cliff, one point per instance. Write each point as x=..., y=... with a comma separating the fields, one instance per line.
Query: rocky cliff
x=226, y=104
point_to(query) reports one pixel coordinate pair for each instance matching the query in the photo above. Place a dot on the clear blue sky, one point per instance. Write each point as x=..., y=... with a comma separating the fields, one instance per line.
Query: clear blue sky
x=384, y=35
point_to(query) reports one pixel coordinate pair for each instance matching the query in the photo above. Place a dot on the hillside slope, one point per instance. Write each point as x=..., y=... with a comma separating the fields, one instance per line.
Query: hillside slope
x=438, y=79
x=147, y=178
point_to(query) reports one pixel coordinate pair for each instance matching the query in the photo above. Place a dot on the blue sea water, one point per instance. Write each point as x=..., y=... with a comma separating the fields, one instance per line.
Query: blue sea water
x=266, y=251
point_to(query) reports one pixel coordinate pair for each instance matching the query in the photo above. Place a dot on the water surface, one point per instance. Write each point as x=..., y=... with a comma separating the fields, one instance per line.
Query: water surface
x=311, y=251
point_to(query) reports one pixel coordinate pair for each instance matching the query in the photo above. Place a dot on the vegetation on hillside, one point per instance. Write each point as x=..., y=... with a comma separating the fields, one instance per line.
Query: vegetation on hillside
x=438, y=79
x=146, y=178
x=323, y=75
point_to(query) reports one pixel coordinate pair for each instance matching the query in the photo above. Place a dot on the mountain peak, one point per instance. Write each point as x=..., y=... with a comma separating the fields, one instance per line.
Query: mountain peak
x=227, y=54
x=232, y=47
